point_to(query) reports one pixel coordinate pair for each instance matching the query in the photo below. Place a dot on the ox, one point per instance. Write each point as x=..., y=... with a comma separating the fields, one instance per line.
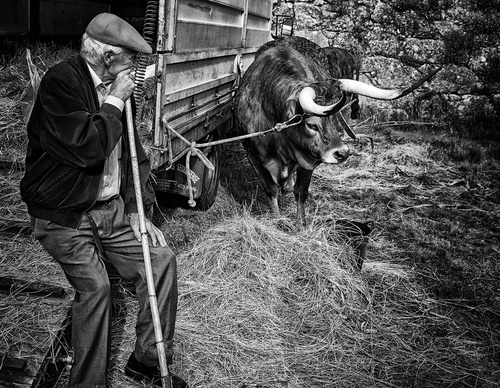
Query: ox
x=283, y=84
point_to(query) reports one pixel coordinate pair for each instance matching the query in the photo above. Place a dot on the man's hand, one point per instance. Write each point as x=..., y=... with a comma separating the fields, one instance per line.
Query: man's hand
x=156, y=235
x=123, y=86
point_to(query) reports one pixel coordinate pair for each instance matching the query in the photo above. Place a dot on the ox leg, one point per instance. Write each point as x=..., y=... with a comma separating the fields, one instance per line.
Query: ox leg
x=270, y=186
x=301, y=192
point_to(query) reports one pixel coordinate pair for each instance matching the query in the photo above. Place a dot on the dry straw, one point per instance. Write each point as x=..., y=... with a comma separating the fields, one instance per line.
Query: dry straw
x=12, y=209
x=30, y=324
x=262, y=307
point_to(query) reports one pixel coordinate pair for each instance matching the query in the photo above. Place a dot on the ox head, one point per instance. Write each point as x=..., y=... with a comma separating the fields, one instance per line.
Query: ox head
x=320, y=136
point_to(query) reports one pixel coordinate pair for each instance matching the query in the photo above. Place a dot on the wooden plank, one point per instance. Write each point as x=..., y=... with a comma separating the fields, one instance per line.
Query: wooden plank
x=15, y=227
x=184, y=126
x=237, y=4
x=26, y=377
x=12, y=363
x=55, y=350
x=258, y=23
x=260, y=7
x=255, y=38
x=14, y=17
x=192, y=91
x=208, y=12
x=11, y=285
x=189, y=56
x=59, y=17
x=188, y=74
x=192, y=36
x=182, y=111
x=5, y=383
x=167, y=20
x=38, y=346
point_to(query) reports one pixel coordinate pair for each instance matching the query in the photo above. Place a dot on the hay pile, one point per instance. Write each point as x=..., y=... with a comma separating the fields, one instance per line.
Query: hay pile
x=260, y=307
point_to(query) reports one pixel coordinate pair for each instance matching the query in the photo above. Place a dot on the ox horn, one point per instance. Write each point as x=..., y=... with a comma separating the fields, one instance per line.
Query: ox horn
x=357, y=87
x=306, y=100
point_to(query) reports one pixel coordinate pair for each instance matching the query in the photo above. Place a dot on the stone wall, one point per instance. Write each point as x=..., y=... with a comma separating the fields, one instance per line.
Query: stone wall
x=399, y=40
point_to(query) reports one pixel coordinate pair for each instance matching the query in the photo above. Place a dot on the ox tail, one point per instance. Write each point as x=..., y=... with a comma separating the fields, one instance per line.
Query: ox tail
x=357, y=87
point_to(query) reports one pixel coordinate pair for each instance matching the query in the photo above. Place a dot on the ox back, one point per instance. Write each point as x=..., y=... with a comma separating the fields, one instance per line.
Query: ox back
x=302, y=45
x=342, y=63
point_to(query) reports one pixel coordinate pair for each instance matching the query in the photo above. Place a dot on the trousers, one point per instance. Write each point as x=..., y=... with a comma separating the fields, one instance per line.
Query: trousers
x=77, y=253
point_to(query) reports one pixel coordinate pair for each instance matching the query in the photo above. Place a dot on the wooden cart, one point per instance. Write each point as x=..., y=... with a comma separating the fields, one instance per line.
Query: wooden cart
x=201, y=49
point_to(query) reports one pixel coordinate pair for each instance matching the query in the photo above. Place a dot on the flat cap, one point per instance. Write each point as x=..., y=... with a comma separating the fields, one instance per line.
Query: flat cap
x=110, y=29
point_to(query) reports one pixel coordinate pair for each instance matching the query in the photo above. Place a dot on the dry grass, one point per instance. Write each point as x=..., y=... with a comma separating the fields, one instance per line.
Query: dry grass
x=15, y=78
x=12, y=138
x=30, y=324
x=12, y=209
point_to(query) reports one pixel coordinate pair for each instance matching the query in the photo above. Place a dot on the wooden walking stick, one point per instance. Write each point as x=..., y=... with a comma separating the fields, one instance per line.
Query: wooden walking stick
x=166, y=379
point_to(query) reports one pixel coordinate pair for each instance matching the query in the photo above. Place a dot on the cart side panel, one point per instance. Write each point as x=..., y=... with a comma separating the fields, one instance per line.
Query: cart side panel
x=199, y=71
x=260, y=7
x=257, y=31
x=203, y=25
x=206, y=36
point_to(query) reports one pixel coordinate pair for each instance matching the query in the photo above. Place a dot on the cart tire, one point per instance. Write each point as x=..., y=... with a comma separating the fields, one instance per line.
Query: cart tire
x=210, y=184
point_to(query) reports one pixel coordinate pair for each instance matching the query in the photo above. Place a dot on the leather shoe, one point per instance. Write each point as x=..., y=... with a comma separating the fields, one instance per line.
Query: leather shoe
x=140, y=372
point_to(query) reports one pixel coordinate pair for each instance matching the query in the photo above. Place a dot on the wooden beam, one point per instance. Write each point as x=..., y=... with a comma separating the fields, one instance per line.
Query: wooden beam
x=11, y=285
x=11, y=363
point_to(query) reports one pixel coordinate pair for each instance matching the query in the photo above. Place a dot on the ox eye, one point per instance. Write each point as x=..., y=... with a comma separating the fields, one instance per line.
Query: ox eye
x=313, y=127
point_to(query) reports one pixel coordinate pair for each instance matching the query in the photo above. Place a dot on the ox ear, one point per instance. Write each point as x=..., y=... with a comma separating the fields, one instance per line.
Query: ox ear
x=292, y=108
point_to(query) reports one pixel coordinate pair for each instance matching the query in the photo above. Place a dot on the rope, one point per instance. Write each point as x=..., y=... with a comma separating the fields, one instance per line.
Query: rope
x=295, y=120
x=193, y=148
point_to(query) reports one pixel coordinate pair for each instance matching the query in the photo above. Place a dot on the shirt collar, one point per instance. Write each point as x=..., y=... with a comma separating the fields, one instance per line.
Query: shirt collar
x=95, y=78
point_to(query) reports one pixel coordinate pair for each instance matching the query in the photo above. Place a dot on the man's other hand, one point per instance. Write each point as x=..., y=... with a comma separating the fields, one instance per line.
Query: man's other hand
x=155, y=234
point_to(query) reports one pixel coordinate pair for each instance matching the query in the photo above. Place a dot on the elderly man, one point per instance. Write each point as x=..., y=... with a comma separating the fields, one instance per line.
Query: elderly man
x=79, y=191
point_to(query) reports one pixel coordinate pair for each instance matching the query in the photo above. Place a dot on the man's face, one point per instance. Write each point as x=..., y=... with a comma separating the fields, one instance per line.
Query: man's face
x=120, y=62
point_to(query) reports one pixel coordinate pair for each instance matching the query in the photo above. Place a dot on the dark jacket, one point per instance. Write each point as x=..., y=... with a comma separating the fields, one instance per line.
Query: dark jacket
x=70, y=138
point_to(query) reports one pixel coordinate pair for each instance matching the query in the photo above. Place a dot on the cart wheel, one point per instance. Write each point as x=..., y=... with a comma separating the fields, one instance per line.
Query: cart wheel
x=210, y=183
